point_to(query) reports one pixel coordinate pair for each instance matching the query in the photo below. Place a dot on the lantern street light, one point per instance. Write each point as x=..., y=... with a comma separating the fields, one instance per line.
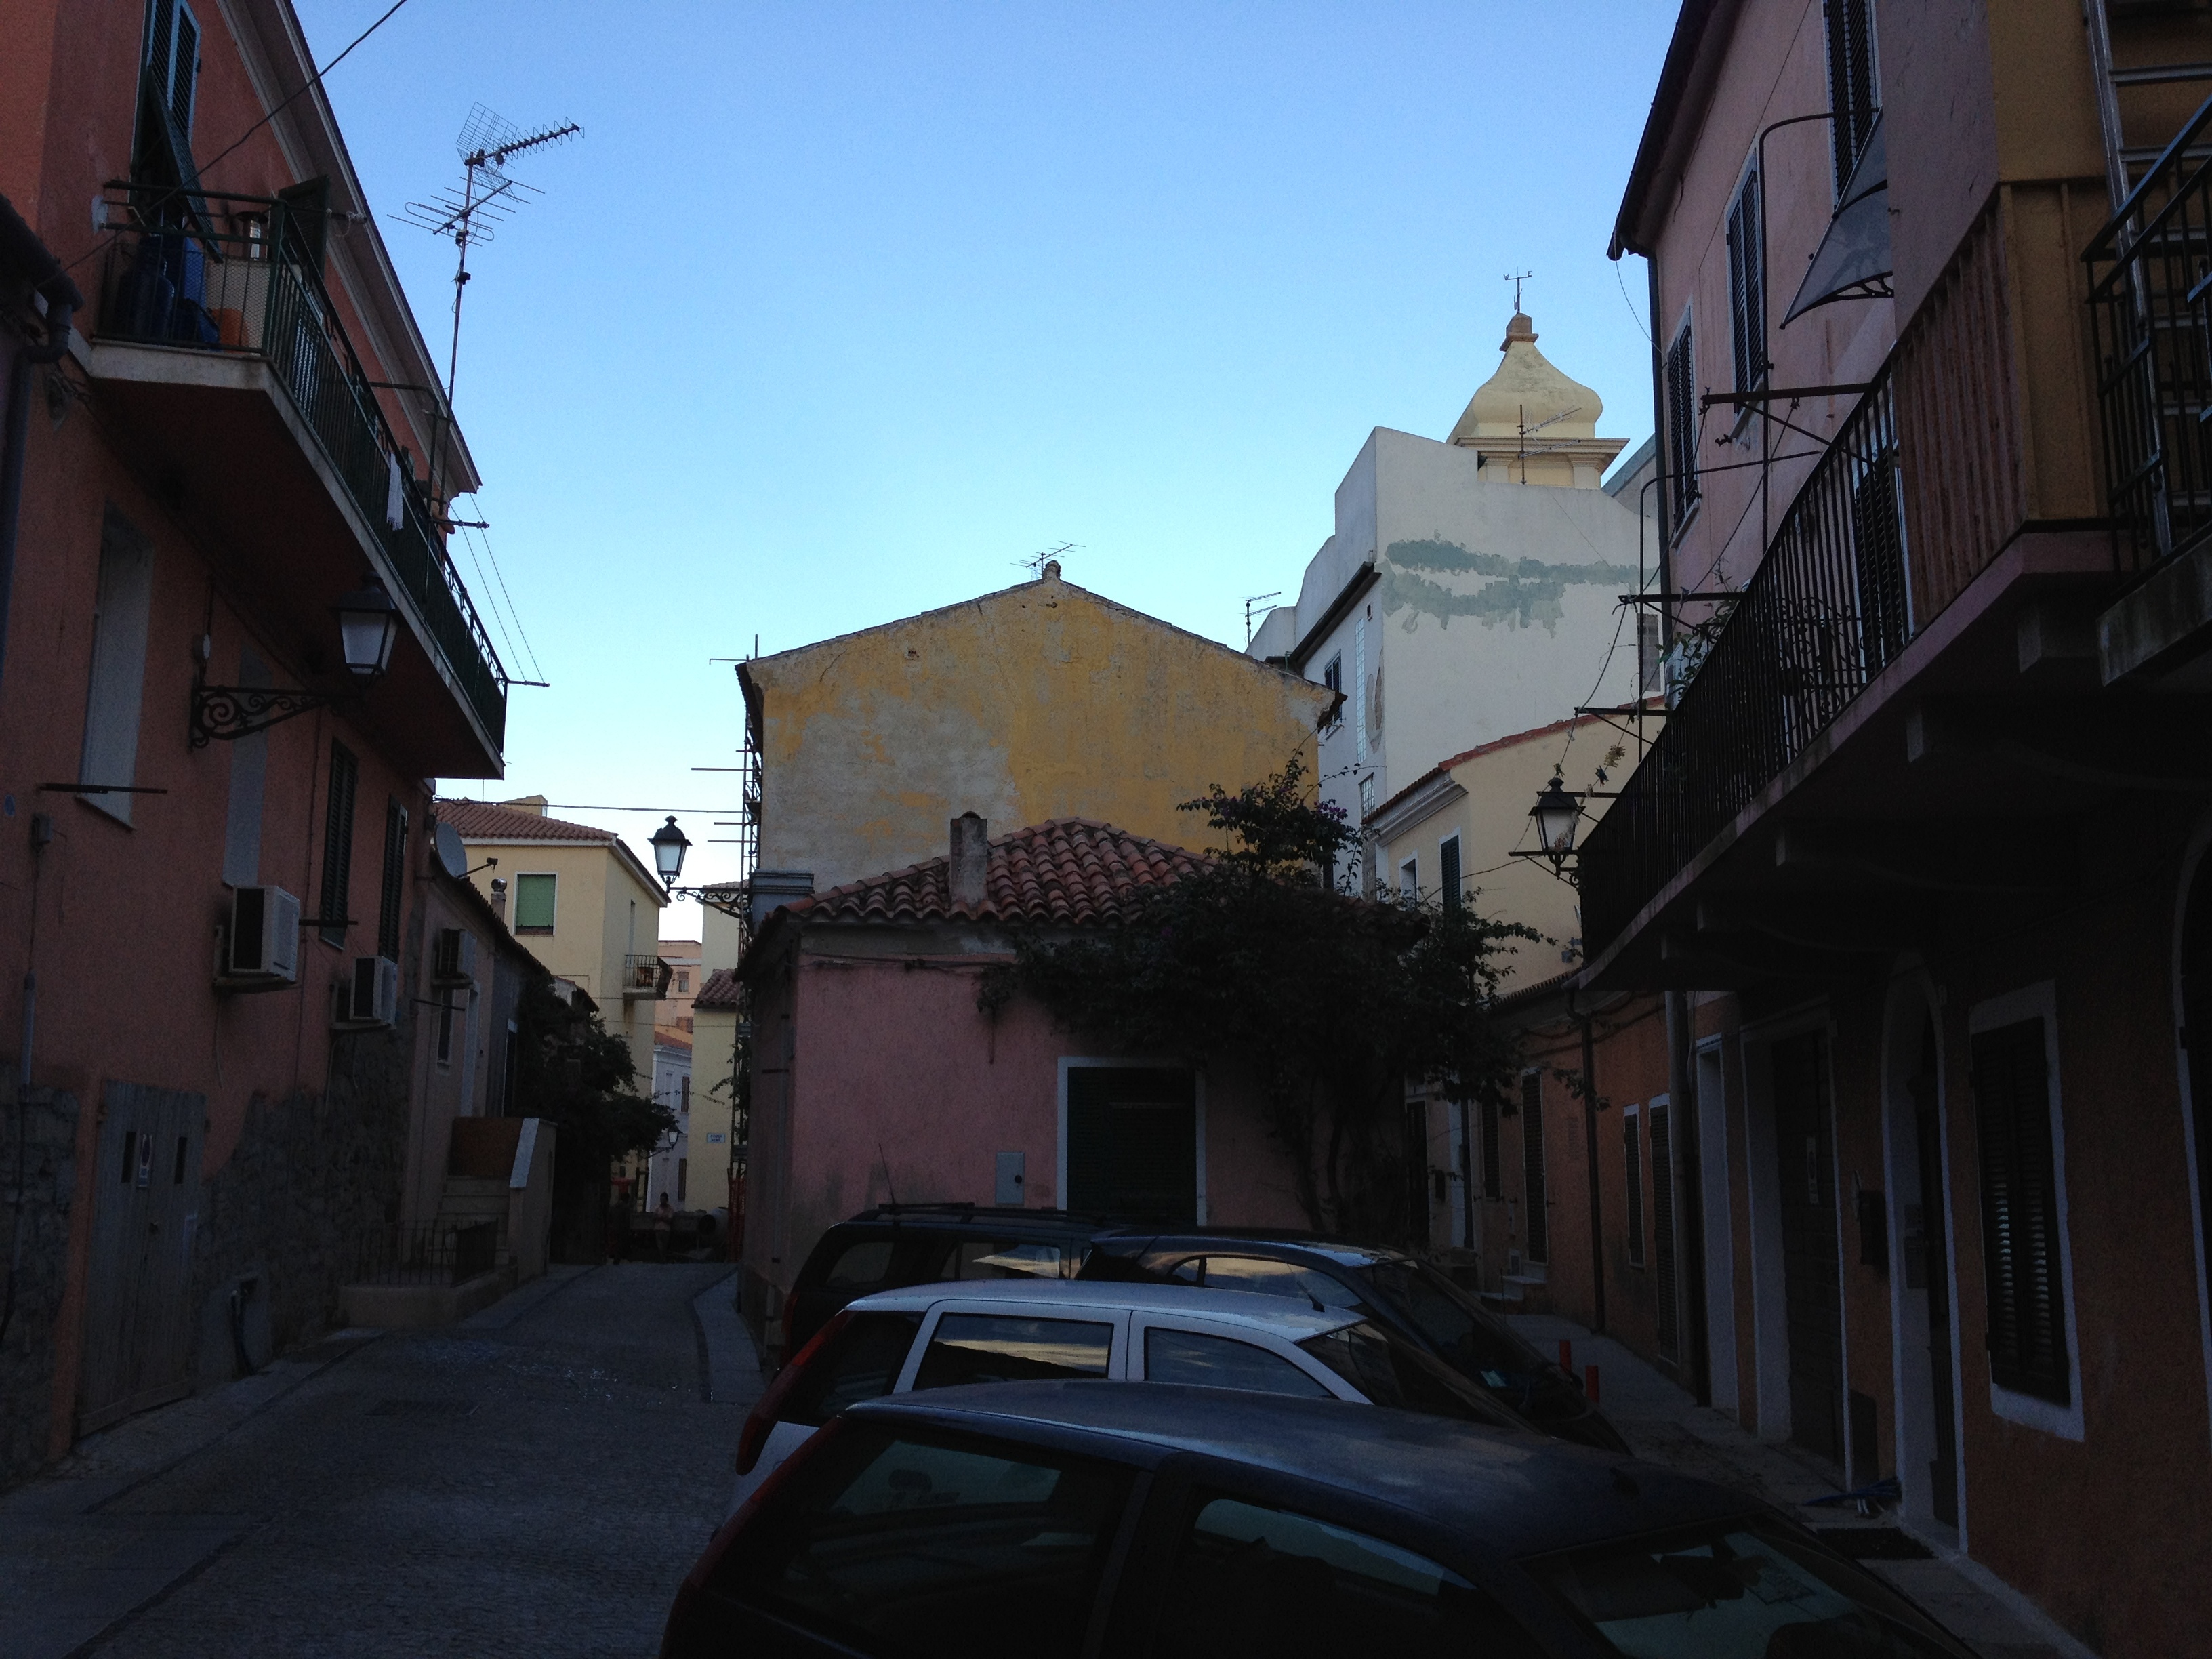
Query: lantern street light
x=368, y=627
x=1557, y=815
x=668, y=846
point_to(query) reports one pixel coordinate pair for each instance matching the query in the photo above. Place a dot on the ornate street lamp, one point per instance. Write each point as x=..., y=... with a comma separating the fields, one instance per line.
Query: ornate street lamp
x=368, y=627
x=1557, y=815
x=668, y=846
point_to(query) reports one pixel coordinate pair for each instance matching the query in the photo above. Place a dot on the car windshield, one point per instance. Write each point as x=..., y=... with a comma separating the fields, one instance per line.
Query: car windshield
x=1453, y=1325
x=1745, y=1592
x=1391, y=1371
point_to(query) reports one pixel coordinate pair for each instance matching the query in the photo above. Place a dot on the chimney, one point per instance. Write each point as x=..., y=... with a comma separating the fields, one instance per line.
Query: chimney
x=499, y=898
x=971, y=858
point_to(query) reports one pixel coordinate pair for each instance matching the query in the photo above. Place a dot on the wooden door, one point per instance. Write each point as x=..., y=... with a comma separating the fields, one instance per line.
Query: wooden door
x=146, y=1202
x=1812, y=1275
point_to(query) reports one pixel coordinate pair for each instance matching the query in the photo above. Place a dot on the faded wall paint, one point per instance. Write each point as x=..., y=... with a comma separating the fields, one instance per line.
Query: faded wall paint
x=1041, y=701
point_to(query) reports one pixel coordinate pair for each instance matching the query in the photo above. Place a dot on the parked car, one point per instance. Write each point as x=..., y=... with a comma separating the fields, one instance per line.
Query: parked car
x=896, y=1244
x=935, y=1336
x=1045, y=1519
x=1390, y=1288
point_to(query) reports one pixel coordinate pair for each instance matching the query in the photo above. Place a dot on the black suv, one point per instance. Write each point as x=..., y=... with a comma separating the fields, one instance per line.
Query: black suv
x=1389, y=1286
x=899, y=1244
x=1049, y=1519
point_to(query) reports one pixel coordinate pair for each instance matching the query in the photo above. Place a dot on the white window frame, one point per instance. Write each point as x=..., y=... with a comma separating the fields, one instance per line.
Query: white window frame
x=1128, y=1063
x=1409, y=878
x=2037, y=1001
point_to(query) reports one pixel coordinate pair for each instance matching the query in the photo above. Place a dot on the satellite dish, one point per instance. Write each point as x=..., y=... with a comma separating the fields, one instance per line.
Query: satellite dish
x=451, y=853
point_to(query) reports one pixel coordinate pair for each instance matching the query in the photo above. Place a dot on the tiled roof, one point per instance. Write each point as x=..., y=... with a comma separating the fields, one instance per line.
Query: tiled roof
x=1069, y=872
x=479, y=820
x=718, y=993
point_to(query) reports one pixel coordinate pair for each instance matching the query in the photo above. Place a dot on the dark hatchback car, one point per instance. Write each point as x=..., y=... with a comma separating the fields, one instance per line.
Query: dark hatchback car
x=895, y=1245
x=1049, y=1520
x=1411, y=1296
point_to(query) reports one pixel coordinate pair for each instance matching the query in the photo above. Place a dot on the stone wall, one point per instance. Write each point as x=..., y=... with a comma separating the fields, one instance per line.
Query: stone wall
x=38, y=1185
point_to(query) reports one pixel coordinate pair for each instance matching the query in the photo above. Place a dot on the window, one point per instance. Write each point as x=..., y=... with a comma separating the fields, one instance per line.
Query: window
x=1447, y=873
x=533, y=904
x=1853, y=89
x=1251, y=1580
x=1130, y=1141
x=683, y=1095
x=1662, y=1227
x=1493, y=1173
x=121, y=606
x=1007, y=1348
x=868, y=1263
x=1536, y=1224
x=985, y=1549
x=392, y=897
x=861, y=1361
x=1263, y=1277
x=2020, y=1211
x=172, y=60
x=337, y=843
x=1391, y=1371
x=1409, y=881
x=683, y=979
x=445, y=1028
x=1647, y=654
x=1682, y=427
x=1632, y=1162
x=1222, y=1361
x=1746, y=252
x=1333, y=675
x=1010, y=1258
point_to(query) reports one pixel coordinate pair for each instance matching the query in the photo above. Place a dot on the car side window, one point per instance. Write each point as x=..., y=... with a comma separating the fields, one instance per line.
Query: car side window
x=1251, y=1582
x=1271, y=1278
x=978, y=1258
x=1011, y=1348
x=898, y=1542
x=867, y=1263
x=861, y=1361
x=1223, y=1362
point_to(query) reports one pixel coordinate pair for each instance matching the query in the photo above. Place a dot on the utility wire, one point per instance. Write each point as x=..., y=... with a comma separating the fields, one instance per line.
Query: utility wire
x=315, y=80
x=537, y=668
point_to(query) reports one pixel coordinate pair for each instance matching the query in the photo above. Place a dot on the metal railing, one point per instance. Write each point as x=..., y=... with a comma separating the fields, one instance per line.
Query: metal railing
x=2150, y=298
x=1828, y=608
x=432, y=1253
x=184, y=284
x=645, y=976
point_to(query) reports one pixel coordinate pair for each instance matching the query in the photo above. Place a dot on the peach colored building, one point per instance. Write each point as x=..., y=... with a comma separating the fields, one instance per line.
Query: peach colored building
x=218, y=936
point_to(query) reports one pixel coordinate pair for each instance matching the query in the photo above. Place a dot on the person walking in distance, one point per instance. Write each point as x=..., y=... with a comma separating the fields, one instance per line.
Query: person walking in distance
x=664, y=1225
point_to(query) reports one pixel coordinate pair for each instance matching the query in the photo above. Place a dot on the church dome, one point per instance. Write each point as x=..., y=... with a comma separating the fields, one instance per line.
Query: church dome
x=1527, y=389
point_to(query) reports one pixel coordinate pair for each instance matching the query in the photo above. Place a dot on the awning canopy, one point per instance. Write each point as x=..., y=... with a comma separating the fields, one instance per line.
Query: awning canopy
x=1853, y=262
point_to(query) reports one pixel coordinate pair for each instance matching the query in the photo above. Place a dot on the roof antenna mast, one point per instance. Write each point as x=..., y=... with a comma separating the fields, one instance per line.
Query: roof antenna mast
x=487, y=143
x=1517, y=278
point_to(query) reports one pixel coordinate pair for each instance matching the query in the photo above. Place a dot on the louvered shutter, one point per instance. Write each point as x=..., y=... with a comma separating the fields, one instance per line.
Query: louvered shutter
x=184, y=73
x=337, y=843
x=1852, y=92
x=1132, y=1142
x=1537, y=1230
x=395, y=877
x=1448, y=873
x=2020, y=1212
x=1682, y=426
x=1746, y=286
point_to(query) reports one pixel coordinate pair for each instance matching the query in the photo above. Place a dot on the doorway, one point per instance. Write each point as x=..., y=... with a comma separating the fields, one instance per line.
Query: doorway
x=1130, y=1142
x=138, y=1330
x=1811, y=1276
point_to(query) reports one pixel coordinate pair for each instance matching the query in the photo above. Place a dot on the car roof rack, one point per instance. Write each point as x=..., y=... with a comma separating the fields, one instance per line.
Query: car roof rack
x=1009, y=1211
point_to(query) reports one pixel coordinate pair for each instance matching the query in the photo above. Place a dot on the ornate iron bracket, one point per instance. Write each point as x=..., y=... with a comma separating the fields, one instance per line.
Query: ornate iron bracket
x=730, y=904
x=230, y=711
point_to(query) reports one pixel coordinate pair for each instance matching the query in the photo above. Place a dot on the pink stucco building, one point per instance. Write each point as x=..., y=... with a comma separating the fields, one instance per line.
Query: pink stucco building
x=876, y=1075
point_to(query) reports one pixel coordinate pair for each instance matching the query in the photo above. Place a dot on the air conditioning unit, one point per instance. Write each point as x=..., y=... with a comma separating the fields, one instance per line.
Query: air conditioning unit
x=373, y=998
x=261, y=951
x=453, y=958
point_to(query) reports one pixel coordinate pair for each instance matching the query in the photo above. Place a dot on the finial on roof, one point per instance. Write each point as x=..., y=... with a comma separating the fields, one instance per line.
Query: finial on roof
x=1519, y=327
x=1051, y=571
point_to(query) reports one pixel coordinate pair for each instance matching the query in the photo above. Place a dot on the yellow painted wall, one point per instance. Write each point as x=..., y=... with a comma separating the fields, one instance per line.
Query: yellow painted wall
x=1502, y=781
x=1040, y=702
x=594, y=891
x=714, y=1035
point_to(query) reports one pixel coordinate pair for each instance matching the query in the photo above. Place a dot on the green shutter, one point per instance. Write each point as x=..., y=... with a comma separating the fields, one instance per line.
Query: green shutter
x=2020, y=1212
x=1132, y=1142
x=533, y=904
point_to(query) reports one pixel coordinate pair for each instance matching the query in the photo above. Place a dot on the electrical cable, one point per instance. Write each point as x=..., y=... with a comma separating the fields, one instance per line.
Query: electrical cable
x=315, y=80
x=484, y=582
x=537, y=668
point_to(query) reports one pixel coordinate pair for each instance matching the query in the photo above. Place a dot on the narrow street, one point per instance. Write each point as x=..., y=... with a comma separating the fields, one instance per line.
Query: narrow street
x=535, y=1481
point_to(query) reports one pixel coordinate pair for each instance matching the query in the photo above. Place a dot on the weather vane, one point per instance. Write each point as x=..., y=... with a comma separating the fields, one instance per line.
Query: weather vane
x=1517, y=278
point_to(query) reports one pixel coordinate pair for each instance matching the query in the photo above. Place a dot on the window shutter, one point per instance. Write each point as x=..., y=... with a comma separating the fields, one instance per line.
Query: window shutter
x=1852, y=92
x=1448, y=873
x=337, y=843
x=184, y=72
x=1682, y=425
x=1632, y=1159
x=395, y=878
x=1537, y=1232
x=2020, y=1212
x=1662, y=1228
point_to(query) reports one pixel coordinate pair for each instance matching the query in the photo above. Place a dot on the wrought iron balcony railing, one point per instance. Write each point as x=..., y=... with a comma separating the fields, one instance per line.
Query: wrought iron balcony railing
x=645, y=977
x=2150, y=294
x=184, y=285
x=1829, y=607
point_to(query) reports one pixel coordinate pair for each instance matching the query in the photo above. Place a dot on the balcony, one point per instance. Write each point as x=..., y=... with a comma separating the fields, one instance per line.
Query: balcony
x=644, y=978
x=230, y=369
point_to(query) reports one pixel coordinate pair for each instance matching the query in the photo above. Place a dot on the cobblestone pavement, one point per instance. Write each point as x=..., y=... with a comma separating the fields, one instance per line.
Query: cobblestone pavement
x=536, y=1481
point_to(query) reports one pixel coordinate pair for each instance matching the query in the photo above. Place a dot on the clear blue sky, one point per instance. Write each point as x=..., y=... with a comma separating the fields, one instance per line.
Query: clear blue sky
x=839, y=312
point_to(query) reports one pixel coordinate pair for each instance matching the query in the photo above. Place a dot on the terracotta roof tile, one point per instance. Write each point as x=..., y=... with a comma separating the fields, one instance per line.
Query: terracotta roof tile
x=720, y=992
x=483, y=821
x=1069, y=872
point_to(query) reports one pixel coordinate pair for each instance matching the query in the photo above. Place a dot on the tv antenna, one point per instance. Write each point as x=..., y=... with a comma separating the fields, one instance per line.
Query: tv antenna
x=1251, y=608
x=1529, y=431
x=488, y=142
x=1517, y=278
x=1044, y=557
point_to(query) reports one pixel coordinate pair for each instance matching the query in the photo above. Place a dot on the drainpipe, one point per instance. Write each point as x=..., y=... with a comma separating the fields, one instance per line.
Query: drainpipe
x=1681, y=1089
x=21, y=249
x=1597, y=1212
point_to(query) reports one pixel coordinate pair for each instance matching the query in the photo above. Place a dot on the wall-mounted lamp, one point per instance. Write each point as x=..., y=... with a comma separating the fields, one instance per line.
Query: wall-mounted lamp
x=368, y=627
x=1557, y=815
x=668, y=846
